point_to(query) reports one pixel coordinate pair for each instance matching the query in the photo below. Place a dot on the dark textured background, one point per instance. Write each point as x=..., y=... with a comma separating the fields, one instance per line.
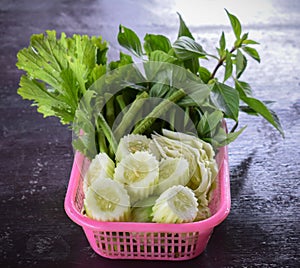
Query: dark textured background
x=262, y=229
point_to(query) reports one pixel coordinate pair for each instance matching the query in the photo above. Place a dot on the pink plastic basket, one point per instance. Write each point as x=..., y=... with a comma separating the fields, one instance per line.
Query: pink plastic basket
x=148, y=241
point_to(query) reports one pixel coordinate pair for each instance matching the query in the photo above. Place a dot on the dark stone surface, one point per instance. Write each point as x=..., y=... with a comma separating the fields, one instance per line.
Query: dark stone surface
x=262, y=229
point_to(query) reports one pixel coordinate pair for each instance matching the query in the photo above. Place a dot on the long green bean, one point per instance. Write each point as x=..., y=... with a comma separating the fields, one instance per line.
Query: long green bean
x=157, y=111
x=130, y=114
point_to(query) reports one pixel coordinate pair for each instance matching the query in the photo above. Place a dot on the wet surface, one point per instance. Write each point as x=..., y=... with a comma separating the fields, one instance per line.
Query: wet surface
x=262, y=229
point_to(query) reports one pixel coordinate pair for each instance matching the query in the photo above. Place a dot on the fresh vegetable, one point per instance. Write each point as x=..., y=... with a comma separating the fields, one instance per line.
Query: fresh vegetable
x=59, y=73
x=147, y=181
x=107, y=200
x=177, y=204
x=202, y=165
x=101, y=167
x=172, y=171
x=132, y=143
x=139, y=173
x=159, y=121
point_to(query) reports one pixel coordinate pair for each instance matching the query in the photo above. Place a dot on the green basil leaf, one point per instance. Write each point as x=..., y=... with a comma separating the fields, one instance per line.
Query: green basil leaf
x=243, y=88
x=221, y=138
x=159, y=90
x=129, y=40
x=208, y=122
x=246, y=109
x=250, y=42
x=124, y=60
x=259, y=107
x=277, y=124
x=156, y=42
x=236, y=25
x=241, y=63
x=228, y=66
x=226, y=99
x=204, y=74
x=244, y=37
x=222, y=42
x=192, y=65
x=268, y=114
x=252, y=52
x=186, y=48
x=197, y=94
x=183, y=29
x=161, y=56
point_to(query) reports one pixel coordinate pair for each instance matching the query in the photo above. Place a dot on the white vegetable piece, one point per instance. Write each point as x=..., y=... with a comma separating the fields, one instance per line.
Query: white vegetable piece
x=131, y=144
x=173, y=148
x=191, y=140
x=178, y=204
x=199, y=154
x=172, y=171
x=100, y=167
x=138, y=172
x=107, y=200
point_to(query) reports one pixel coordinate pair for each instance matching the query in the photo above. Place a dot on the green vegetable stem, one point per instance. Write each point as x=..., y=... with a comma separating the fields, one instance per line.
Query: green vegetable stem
x=157, y=111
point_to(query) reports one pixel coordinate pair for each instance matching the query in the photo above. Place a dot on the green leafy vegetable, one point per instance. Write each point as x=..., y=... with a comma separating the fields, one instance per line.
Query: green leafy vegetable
x=193, y=63
x=228, y=68
x=258, y=106
x=209, y=122
x=124, y=60
x=250, y=42
x=161, y=56
x=156, y=42
x=204, y=74
x=129, y=40
x=241, y=63
x=226, y=99
x=222, y=42
x=62, y=78
x=222, y=138
x=236, y=25
x=59, y=71
x=252, y=52
x=183, y=29
x=186, y=48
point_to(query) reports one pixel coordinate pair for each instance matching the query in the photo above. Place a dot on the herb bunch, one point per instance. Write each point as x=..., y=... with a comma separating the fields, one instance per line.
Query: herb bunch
x=61, y=75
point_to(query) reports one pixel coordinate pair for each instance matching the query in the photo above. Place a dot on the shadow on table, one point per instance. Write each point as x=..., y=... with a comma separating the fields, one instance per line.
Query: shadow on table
x=238, y=175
